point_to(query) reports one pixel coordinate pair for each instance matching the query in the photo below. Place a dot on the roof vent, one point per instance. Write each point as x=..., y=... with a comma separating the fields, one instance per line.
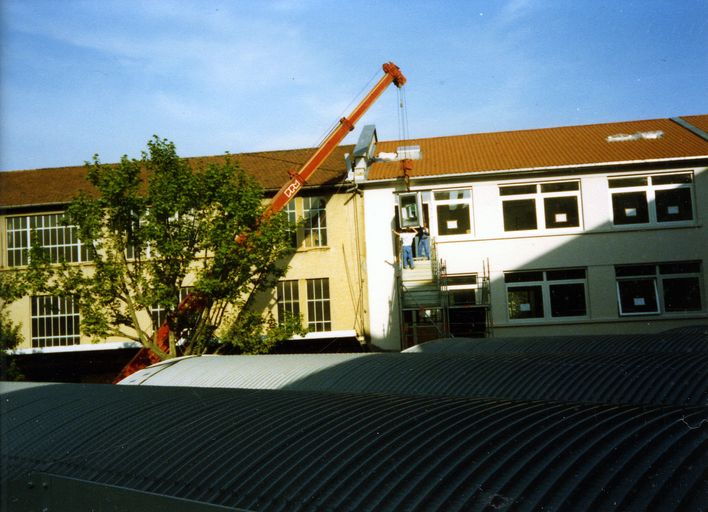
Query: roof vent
x=623, y=137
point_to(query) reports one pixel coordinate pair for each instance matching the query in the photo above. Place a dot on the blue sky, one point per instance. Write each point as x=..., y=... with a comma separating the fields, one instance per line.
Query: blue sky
x=84, y=77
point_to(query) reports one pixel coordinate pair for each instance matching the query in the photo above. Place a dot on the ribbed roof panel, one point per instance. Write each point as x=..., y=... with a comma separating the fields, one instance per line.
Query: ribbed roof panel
x=288, y=450
x=685, y=339
x=570, y=146
x=639, y=378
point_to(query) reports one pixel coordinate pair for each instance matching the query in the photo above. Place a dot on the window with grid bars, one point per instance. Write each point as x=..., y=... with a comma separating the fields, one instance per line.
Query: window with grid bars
x=291, y=213
x=55, y=321
x=288, y=299
x=318, y=305
x=315, y=226
x=60, y=241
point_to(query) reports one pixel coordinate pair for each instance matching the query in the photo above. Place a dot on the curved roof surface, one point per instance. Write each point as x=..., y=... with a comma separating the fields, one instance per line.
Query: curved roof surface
x=685, y=339
x=641, y=378
x=288, y=450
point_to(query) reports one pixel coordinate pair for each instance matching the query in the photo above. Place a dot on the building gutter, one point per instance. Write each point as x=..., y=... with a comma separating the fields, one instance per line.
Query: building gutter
x=116, y=345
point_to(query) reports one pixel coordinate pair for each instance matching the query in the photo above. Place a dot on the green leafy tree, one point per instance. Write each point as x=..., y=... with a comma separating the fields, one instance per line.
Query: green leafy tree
x=156, y=225
x=12, y=287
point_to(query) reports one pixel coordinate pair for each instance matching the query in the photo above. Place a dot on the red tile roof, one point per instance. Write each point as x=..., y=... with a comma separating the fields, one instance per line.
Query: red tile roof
x=57, y=186
x=570, y=146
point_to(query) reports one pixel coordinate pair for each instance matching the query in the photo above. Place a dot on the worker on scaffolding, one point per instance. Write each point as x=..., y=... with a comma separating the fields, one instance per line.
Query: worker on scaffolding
x=407, y=237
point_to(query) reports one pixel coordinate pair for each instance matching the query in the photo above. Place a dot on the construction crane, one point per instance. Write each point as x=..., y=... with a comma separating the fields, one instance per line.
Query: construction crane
x=195, y=303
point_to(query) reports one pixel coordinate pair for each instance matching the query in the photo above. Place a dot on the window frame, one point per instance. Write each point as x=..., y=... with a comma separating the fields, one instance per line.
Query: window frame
x=49, y=314
x=319, y=305
x=533, y=192
x=434, y=204
x=284, y=305
x=58, y=239
x=650, y=190
x=542, y=281
x=315, y=221
x=658, y=274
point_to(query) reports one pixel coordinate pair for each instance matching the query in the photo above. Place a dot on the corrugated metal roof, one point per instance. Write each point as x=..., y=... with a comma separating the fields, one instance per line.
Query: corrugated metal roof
x=639, y=378
x=287, y=450
x=685, y=339
x=570, y=146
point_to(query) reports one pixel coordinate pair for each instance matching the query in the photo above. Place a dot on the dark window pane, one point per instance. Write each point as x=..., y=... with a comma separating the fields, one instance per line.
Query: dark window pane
x=459, y=297
x=672, y=179
x=680, y=267
x=560, y=187
x=517, y=189
x=635, y=270
x=569, y=273
x=525, y=302
x=463, y=279
x=454, y=219
x=522, y=277
x=637, y=296
x=682, y=294
x=630, y=208
x=673, y=205
x=628, y=182
x=561, y=212
x=519, y=215
x=568, y=299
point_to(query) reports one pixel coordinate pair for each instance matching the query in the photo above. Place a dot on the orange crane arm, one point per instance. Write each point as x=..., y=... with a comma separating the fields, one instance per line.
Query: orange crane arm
x=335, y=137
x=193, y=302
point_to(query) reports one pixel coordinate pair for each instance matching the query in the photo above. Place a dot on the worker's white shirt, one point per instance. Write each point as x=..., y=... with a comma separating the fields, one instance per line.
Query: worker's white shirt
x=407, y=238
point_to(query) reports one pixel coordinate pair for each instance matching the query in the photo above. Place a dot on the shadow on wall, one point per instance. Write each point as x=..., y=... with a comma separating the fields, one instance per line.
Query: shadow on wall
x=644, y=273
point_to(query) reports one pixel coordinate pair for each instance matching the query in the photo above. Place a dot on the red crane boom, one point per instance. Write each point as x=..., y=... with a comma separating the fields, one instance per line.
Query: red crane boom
x=193, y=302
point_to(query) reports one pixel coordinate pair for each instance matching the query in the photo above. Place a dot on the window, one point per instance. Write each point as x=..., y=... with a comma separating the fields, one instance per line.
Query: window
x=288, y=299
x=461, y=289
x=409, y=207
x=652, y=199
x=541, y=206
x=663, y=288
x=61, y=242
x=159, y=313
x=291, y=214
x=546, y=294
x=55, y=321
x=315, y=229
x=453, y=212
x=318, y=306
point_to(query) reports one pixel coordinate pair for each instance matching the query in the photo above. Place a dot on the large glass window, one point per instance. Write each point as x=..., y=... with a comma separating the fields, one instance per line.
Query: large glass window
x=541, y=206
x=55, y=321
x=453, y=210
x=659, y=288
x=652, y=199
x=288, y=299
x=546, y=294
x=318, y=305
x=315, y=228
x=60, y=242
